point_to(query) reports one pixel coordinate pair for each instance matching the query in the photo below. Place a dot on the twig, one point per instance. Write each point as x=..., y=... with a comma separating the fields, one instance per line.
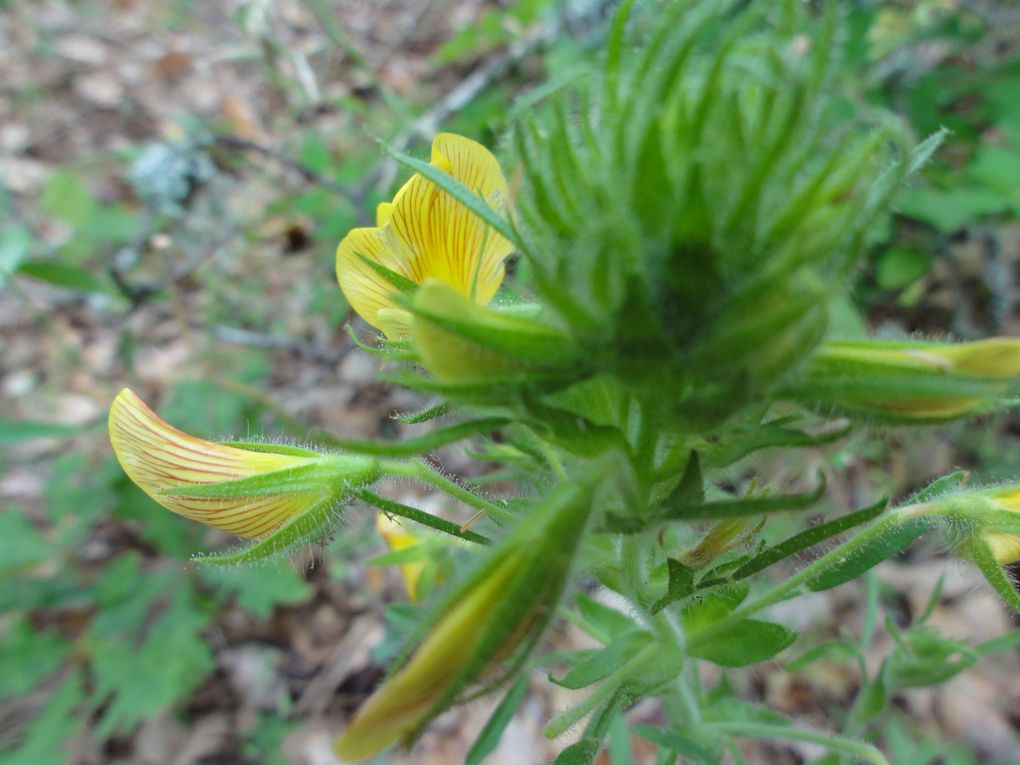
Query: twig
x=238, y=336
x=235, y=143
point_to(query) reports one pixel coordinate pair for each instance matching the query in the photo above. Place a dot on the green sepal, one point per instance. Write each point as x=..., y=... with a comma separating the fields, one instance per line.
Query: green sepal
x=739, y=508
x=328, y=474
x=983, y=557
x=809, y=538
x=268, y=448
x=311, y=526
x=939, y=487
x=871, y=554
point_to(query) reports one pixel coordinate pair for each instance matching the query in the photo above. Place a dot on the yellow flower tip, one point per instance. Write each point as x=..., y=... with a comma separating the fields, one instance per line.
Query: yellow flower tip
x=1004, y=546
x=159, y=457
x=399, y=538
x=997, y=357
x=424, y=232
x=408, y=699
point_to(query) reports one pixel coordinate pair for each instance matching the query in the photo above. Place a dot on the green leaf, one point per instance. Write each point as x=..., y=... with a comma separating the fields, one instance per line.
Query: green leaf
x=874, y=695
x=68, y=198
x=27, y=657
x=15, y=242
x=44, y=738
x=419, y=516
x=16, y=431
x=832, y=650
x=747, y=642
x=870, y=555
x=676, y=742
x=681, y=584
x=738, y=508
x=61, y=275
x=602, y=622
x=260, y=589
x=951, y=209
x=923, y=657
x=898, y=267
x=488, y=739
x=605, y=662
x=20, y=543
x=691, y=489
x=141, y=681
x=808, y=538
x=580, y=753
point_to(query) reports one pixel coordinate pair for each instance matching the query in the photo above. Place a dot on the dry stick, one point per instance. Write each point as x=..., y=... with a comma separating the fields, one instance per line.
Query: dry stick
x=235, y=143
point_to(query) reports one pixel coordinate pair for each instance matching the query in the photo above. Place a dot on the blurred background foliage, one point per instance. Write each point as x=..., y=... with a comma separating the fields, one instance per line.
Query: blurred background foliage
x=175, y=178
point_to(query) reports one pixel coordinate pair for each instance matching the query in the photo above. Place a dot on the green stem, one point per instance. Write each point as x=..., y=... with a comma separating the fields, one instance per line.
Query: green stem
x=420, y=471
x=860, y=749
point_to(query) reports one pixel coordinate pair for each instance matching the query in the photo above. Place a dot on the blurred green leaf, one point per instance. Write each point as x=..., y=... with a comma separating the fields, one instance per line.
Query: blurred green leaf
x=20, y=543
x=16, y=431
x=15, y=242
x=949, y=210
x=259, y=590
x=68, y=198
x=62, y=275
x=488, y=739
x=898, y=267
x=27, y=657
x=44, y=738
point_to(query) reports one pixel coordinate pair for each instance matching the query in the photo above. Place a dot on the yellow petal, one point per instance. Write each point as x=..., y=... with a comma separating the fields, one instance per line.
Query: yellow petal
x=366, y=289
x=398, y=538
x=157, y=456
x=1005, y=547
x=438, y=236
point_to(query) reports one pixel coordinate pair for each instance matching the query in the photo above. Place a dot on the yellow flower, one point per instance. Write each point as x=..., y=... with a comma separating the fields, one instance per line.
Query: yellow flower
x=408, y=699
x=1005, y=545
x=426, y=233
x=159, y=457
x=398, y=538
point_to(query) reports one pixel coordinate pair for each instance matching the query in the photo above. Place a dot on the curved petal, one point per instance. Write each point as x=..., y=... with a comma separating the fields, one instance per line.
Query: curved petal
x=439, y=237
x=157, y=456
x=367, y=290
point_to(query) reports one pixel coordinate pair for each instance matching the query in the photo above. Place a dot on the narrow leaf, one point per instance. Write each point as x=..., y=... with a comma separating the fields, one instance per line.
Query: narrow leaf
x=418, y=445
x=681, y=584
x=488, y=739
x=808, y=538
x=879, y=549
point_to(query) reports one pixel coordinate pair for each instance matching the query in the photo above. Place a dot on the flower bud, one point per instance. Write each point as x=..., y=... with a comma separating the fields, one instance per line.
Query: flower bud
x=909, y=382
x=501, y=606
x=248, y=489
